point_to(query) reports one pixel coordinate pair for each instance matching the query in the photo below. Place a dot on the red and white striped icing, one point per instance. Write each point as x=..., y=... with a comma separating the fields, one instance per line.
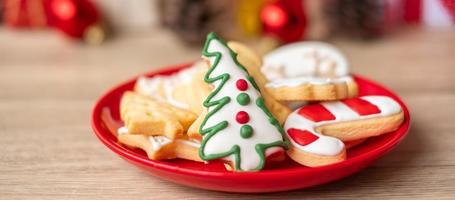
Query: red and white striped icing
x=302, y=123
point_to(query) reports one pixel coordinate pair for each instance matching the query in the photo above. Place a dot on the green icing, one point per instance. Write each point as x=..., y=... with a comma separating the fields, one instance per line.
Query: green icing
x=243, y=99
x=210, y=131
x=246, y=131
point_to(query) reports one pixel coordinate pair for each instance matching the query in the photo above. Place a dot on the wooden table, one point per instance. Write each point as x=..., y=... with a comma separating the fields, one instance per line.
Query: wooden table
x=48, y=87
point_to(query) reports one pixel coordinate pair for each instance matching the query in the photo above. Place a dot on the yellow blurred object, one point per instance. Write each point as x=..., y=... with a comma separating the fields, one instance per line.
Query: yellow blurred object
x=267, y=44
x=95, y=34
x=248, y=16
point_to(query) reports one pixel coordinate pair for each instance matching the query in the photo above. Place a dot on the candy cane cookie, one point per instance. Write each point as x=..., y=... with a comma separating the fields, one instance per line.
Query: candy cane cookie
x=308, y=71
x=316, y=131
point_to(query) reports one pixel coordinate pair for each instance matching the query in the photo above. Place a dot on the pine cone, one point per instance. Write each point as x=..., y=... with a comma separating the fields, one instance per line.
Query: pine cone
x=193, y=19
x=358, y=18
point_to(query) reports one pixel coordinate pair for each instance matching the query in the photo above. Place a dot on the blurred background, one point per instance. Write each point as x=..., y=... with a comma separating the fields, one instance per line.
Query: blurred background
x=80, y=40
x=266, y=22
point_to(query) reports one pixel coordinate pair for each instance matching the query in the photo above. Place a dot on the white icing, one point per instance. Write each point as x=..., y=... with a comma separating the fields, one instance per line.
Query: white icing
x=298, y=63
x=224, y=140
x=340, y=110
x=158, y=142
x=122, y=130
x=150, y=86
x=191, y=142
x=330, y=146
x=293, y=82
x=324, y=145
x=272, y=150
x=386, y=105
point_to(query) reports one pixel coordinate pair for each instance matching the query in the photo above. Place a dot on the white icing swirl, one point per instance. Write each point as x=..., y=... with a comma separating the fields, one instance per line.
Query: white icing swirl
x=302, y=63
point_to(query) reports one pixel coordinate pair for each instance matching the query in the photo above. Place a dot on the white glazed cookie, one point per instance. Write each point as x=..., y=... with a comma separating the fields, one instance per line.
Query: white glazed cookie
x=316, y=131
x=308, y=71
x=175, y=89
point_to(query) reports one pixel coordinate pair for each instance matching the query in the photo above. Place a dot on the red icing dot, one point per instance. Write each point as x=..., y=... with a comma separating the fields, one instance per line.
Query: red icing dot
x=241, y=84
x=242, y=117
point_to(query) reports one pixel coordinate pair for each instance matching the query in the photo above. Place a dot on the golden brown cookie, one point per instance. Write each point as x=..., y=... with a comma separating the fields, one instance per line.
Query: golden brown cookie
x=147, y=116
x=314, y=160
x=353, y=143
x=161, y=147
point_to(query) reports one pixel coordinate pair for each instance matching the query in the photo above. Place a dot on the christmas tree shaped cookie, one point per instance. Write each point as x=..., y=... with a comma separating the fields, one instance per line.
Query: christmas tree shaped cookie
x=238, y=127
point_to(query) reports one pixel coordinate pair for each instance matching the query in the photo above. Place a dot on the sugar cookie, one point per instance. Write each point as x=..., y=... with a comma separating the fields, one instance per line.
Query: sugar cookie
x=146, y=116
x=308, y=71
x=161, y=147
x=250, y=60
x=316, y=131
x=238, y=127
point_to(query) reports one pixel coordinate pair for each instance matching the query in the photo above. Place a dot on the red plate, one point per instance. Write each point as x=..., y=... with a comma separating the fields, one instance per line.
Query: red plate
x=286, y=175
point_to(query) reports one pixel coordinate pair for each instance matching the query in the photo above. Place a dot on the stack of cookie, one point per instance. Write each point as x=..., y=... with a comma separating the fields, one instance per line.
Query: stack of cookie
x=233, y=108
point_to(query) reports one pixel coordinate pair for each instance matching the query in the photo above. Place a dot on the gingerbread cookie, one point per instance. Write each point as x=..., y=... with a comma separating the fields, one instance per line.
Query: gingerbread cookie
x=316, y=131
x=238, y=127
x=147, y=116
x=308, y=71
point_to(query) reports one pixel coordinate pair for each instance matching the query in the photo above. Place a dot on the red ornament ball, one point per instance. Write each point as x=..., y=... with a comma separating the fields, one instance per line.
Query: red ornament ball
x=241, y=84
x=242, y=117
x=64, y=9
x=274, y=16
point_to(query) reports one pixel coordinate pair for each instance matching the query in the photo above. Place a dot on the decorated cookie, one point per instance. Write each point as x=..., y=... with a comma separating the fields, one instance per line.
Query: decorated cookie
x=161, y=147
x=180, y=90
x=251, y=61
x=316, y=131
x=359, y=118
x=308, y=71
x=237, y=127
x=146, y=116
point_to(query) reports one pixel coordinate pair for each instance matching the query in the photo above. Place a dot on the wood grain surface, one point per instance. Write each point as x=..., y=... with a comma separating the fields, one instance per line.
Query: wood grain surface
x=49, y=85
